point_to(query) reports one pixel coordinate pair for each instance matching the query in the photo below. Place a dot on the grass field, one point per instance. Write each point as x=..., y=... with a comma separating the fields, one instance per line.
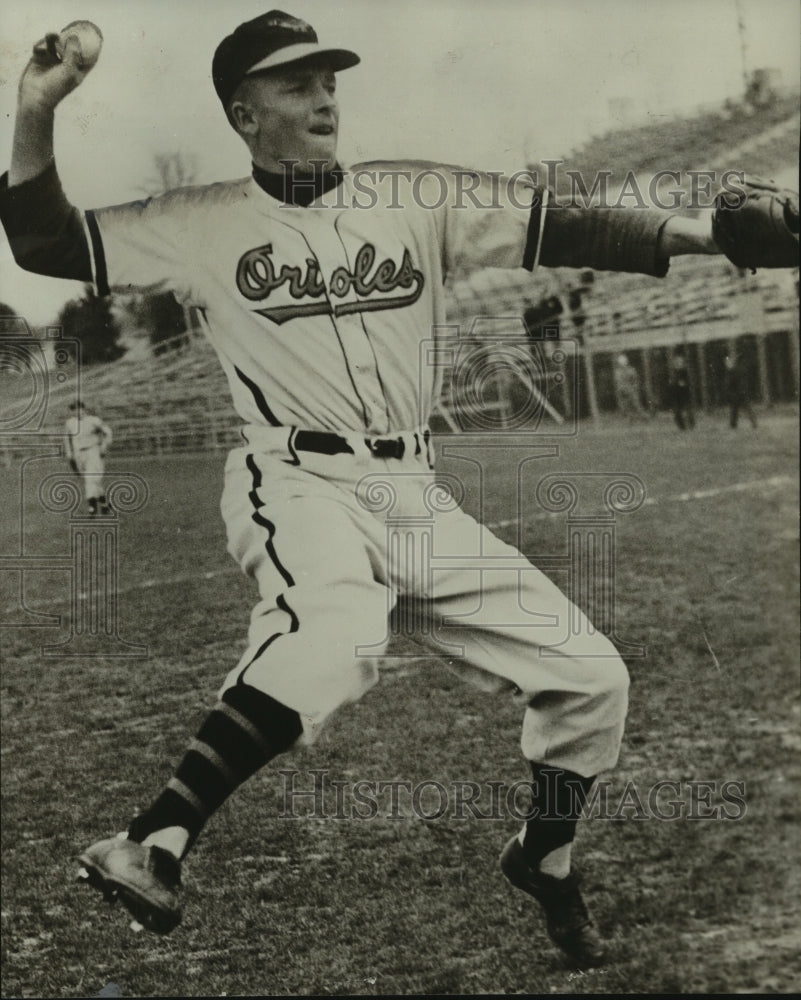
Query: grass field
x=707, y=580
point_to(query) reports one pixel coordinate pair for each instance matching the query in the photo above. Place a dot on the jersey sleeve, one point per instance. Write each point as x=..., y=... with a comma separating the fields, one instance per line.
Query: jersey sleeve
x=45, y=232
x=513, y=222
x=482, y=219
x=495, y=220
x=146, y=245
x=604, y=239
x=141, y=245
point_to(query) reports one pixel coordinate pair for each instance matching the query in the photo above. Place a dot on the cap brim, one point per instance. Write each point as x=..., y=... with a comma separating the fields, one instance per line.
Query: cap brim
x=337, y=58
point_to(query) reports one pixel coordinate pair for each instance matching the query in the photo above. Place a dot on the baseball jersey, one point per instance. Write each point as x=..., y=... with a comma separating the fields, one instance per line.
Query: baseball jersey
x=318, y=314
x=86, y=431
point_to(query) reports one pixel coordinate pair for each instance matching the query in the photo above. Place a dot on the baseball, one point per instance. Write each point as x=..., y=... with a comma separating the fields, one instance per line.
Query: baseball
x=89, y=38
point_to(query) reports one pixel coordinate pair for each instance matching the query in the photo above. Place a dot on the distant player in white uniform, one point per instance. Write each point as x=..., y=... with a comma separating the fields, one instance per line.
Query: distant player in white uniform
x=317, y=295
x=88, y=440
x=627, y=389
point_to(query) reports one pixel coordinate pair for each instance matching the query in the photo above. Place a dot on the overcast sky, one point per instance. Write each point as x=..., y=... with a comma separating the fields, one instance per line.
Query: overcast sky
x=483, y=83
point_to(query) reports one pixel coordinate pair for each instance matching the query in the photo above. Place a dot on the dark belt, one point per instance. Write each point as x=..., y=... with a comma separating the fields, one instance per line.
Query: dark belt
x=326, y=443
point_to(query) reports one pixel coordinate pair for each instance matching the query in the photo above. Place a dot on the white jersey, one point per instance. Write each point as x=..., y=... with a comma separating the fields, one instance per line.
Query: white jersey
x=318, y=314
x=86, y=432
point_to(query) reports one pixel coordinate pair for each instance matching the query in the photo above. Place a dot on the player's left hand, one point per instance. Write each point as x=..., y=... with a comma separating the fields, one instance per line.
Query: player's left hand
x=757, y=225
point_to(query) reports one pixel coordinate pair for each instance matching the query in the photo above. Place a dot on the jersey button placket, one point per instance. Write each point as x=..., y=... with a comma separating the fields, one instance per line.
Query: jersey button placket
x=334, y=266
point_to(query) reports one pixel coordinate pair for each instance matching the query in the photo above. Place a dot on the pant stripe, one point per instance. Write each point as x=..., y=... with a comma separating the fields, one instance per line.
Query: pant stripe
x=294, y=624
x=260, y=519
x=269, y=546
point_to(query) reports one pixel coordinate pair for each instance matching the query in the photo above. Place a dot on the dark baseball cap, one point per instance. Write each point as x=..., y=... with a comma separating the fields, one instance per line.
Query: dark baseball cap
x=268, y=41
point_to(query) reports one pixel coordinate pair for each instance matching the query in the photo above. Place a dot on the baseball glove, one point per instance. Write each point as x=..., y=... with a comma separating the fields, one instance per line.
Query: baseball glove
x=757, y=226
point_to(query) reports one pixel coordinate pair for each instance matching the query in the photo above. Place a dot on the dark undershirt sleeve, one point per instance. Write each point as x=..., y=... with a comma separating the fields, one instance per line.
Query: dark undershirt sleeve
x=604, y=239
x=45, y=232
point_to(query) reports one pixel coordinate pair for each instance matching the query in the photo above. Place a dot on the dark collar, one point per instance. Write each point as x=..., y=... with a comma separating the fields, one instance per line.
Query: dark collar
x=295, y=189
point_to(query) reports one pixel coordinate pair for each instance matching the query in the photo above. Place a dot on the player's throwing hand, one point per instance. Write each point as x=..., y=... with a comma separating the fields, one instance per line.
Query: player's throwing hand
x=59, y=63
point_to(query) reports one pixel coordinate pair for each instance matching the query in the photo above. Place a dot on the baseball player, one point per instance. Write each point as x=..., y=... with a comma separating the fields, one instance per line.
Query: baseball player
x=737, y=393
x=316, y=292
x=627, y=389
x=680, y=391
x=88, y=440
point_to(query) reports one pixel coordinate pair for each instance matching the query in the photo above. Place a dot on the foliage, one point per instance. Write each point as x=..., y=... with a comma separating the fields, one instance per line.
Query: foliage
x=9, y=322
x=173, y=169
x=90, y=321
x=164, y=319
x=161, y=314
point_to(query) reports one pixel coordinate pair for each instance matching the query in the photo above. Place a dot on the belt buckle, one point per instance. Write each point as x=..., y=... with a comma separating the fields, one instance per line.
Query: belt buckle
x=386, y=447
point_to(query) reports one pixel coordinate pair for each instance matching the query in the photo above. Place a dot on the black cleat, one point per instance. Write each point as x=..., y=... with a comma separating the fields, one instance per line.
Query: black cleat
x=147, y=880
x=569, y=923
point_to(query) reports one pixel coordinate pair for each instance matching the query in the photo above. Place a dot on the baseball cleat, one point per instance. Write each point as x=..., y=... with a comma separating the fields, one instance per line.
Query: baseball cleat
x=94, y=881
x=147, y=880
x=568, y=921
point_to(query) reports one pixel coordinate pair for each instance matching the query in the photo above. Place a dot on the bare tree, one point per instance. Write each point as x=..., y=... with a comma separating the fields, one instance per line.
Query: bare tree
x=171, y=170
x=166, y=319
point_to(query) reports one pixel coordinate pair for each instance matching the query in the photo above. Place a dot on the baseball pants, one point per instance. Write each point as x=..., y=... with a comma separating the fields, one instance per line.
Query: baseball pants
x=91, y=467
x=334, y=540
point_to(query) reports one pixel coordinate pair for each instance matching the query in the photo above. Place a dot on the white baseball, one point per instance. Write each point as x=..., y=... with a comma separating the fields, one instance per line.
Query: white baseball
x=89, y=38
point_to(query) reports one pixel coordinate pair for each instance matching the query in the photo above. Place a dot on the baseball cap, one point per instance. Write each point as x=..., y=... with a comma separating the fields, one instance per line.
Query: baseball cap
x=268, y=41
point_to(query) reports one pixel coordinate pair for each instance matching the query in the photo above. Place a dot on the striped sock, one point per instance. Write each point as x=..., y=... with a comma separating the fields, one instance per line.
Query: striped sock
x=557, y=797
x=244, y=731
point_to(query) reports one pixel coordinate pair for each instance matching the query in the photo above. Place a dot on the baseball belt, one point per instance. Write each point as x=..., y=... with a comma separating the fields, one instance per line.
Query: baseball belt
x=328, y=443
